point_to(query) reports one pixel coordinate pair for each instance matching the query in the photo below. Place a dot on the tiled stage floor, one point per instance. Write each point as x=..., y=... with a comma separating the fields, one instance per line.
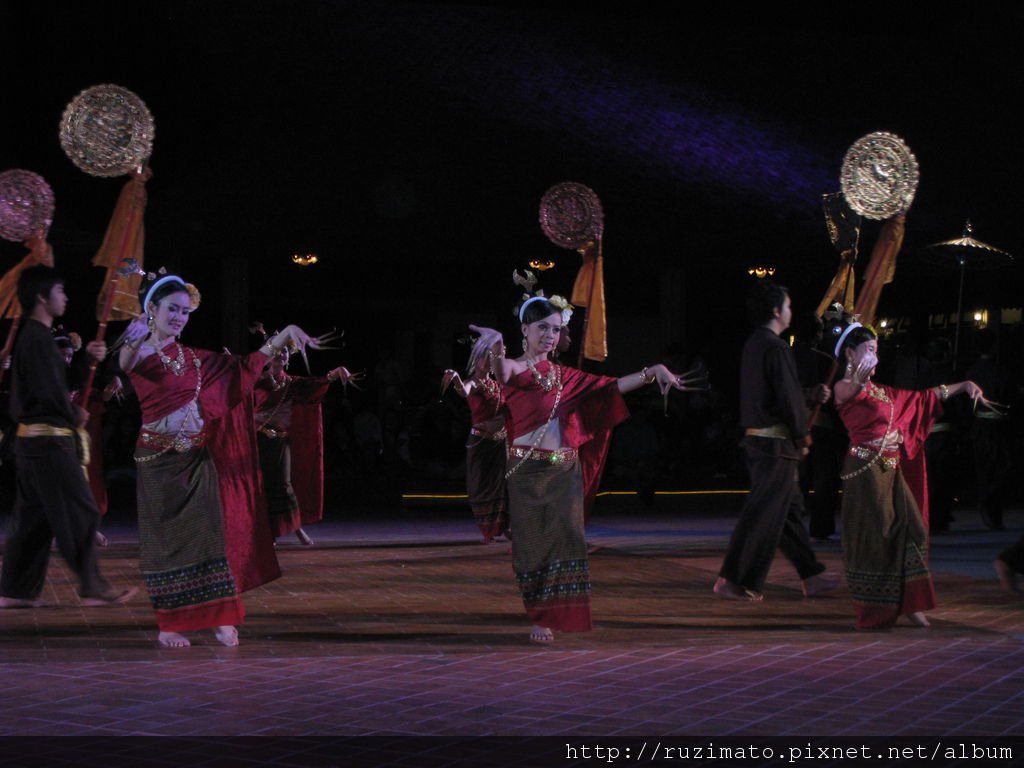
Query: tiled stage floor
x=409, y=626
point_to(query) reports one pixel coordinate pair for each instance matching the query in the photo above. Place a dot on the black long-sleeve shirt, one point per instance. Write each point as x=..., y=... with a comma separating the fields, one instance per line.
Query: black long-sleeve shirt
x=39, y=389
x=770, y=390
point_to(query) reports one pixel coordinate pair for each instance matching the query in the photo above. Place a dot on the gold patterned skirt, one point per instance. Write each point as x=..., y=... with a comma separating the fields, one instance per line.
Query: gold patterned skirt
x=181, y=542
x=549, y=550
x=884, y=546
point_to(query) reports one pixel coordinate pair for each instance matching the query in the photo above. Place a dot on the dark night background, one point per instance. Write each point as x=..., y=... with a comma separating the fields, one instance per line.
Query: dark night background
x=408, y=144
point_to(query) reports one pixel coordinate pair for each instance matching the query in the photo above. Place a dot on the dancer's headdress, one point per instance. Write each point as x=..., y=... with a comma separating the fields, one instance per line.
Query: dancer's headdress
x=528, y=280
x=154, y=280
x=839, y=324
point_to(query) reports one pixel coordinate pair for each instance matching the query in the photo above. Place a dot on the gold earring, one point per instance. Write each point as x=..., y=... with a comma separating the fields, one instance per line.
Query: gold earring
x=151, y=322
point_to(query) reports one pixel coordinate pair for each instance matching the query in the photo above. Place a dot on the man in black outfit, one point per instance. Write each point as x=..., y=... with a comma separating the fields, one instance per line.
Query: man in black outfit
x=773, y=411
x=992, y=433
x=53, y=498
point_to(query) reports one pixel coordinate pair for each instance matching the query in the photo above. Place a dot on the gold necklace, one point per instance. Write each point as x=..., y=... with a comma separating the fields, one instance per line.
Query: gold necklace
x=177, y=366
x=551, y=380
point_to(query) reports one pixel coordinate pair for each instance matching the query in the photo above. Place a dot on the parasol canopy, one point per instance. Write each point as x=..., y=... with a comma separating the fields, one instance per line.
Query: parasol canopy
x=966, y=252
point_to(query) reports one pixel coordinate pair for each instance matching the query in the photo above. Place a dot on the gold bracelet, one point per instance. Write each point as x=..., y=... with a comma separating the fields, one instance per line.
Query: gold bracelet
x=943, y=392
x=647, y=378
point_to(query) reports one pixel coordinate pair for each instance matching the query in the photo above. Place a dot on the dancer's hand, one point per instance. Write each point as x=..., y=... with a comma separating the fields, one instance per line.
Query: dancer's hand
x=665, y=379
x=137, y=330
x=691, y=381
x=450, y=378
x=973, y=391
x=490, y=340
x=346, y=377
x=864, y=365
x=293, y=337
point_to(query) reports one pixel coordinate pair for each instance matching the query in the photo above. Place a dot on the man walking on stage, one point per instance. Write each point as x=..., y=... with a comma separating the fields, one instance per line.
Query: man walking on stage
x=773, y=411
x=54, y=501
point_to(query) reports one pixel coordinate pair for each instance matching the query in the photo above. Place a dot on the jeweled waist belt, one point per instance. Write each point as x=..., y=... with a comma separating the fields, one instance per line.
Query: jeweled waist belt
x=499, y=435
x=159, y=441
x=559, y=456
x=271, y=432
x=890, y=458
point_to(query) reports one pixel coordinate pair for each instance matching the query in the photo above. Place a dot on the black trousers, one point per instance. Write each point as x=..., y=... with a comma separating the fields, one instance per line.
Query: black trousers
x=940, y=450
x=822, y=469
x=1013, y=556
x=54, y=501
x=993, y=463
x=770, y=519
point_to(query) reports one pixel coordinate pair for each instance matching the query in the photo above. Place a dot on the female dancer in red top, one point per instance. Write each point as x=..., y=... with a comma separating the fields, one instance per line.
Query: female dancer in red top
x=203, y=534
x=554, y=417
x=884, y=504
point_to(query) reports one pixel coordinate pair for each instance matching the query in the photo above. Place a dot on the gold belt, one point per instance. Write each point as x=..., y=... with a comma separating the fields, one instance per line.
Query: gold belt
x=560, y=456
x=271, y=432
x=82, y=444
x=775, y=431
x=177, y=443
x=43, y=430
x=499, y=435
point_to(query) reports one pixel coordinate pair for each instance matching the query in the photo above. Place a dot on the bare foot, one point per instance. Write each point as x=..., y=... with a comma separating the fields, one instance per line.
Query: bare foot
x=226, y=636
x=726, y=590
x=819, y=584
x=101, y=540
x=541, y=634
x=1007, y=577
x=113, y=597
x=303, y=538
x=918, y=619
x=172, y=640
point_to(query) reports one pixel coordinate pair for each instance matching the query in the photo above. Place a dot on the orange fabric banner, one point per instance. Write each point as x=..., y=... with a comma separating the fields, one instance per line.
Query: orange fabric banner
x=841, y=287
x=588, y=291
x=124, y=239
x=881, y=268
x=40, y=253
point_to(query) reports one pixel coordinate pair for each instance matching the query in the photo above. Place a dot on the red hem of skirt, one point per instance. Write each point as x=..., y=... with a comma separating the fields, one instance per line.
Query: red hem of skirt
x=223, y=613
x=565, y=617
x=918, y=596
